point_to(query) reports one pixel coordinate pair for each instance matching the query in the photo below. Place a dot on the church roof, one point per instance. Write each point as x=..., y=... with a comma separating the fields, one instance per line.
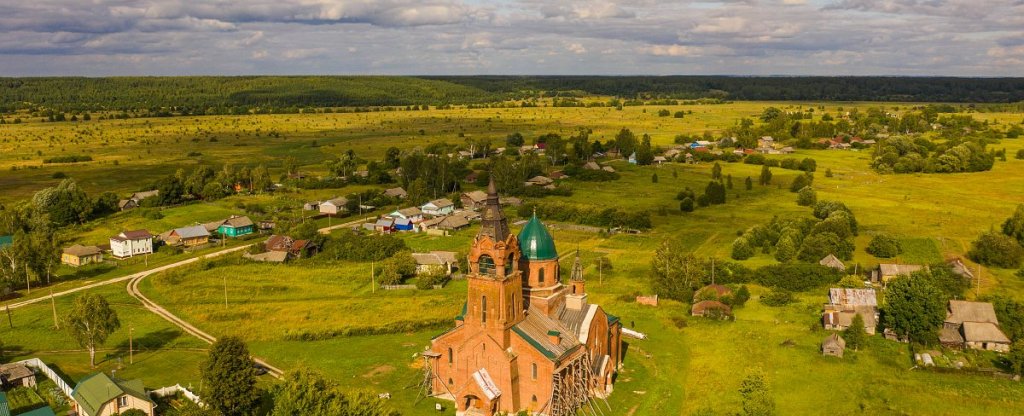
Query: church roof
x=535, y=242
x=492, y=220
x=537, y=327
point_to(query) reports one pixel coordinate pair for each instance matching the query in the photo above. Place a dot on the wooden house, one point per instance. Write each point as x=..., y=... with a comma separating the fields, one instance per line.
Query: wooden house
x=17, y=375
x=436, y=262
x=294, y=248
x=334, y=206
x=236, y=226
x=193, y=236
x=131, y=243
x=833, y=345
x=886, y=272
x=473, y=200
x=832, y=261
x=397, y=193
x=438, y=207
x=413, y=214
x=973, y=325
x=711, y=309
x=79, y=255
x=100, y=395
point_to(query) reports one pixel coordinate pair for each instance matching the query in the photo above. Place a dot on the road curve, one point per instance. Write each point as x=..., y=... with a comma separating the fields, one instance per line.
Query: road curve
x=143, y=273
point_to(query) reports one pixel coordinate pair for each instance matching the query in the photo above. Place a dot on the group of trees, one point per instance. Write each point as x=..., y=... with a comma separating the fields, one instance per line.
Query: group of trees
x=1004, y=247
x=589, y=215
x=908, y=155
x=204, y=183
x=831, y=231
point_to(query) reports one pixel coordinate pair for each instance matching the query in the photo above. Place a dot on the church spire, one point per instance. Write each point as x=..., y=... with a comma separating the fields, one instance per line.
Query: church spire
x=492, y=219
x=577, y=269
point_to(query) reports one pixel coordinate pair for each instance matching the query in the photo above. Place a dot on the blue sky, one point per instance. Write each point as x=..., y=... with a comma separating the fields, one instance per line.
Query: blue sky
x=463, y=37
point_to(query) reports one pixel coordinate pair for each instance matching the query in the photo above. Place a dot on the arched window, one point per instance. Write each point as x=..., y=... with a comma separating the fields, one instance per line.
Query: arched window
x=533, y=399
x=574, y=289
x=450, y=381
x=510, y=264
x=486, y=264
x=483, y=309
x=533, y=370
x=451, y=356
x=540, y=276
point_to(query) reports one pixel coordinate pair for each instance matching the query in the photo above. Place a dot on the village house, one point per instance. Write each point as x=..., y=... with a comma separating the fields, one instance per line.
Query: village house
x=402, y=224
x=539, y=181
x=844, y=304
x=135, y=200
x=17, y=375
x=334, y=206
x=711, y=309
x=311, y=206
x=473, y=200
x=632, y=158
x=438, y=207
x=886, y=272
x=436, y=262
x=100, y=395
x=236, y=226
x=397, y=193
x=188, y=237
x=131, y=243
x=384, y=225
x=79, y=255
x=832, y=261
x=413, y=214
x=973, y=325
x=523, y=341
x=833, y=345
x=660, y=159
x=294, y=248
x=444, y=224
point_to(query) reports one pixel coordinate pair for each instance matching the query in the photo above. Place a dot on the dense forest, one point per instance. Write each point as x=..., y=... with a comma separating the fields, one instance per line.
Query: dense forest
x=204, y=95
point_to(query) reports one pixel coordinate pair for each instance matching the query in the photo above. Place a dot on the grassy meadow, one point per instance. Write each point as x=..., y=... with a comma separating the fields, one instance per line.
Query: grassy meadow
x=316, y=312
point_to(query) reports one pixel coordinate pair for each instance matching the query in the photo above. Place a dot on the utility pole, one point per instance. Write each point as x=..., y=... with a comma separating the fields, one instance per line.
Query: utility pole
x=53, y=305
x=131, y=346
x=28, y=281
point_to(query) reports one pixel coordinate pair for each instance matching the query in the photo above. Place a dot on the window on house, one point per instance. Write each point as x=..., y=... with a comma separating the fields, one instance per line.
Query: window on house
x=540, y=276
x=451, y=356
x=533, y=370
x=483, y=309
x=122, y=401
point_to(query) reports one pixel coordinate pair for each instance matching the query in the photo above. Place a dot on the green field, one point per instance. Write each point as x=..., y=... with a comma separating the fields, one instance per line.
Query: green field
x=678, y=370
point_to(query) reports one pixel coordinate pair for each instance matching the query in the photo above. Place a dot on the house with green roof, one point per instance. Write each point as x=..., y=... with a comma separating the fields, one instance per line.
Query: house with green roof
x=42, y=411
x=5, y=408
x=100, y=395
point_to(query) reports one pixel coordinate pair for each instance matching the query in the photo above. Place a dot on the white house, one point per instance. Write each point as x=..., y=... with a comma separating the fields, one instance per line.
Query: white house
x=438, y=207
x=413, y=214
x=131, y=243
x=334, y=206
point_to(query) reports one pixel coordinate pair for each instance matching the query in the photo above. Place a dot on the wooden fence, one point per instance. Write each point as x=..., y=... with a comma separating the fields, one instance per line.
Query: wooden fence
x=40, y=366
x=175, y=389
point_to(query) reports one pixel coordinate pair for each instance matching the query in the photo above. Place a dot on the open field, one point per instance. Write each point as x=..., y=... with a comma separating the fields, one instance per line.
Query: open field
x=314, y=312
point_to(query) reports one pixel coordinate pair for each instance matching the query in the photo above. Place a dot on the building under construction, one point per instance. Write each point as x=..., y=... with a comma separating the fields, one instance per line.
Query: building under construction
x=524, y=340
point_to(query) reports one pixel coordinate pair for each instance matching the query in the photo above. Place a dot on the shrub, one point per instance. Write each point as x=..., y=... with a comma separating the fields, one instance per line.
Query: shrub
x=996, y=249
x=686, y=205
x=68, y=159
x=777, y=297
x=740, y=296
x=741, y=249
x=807, y=197
x=883, y=246
x=796, y=276
x=1020, y=154
x=817, y=246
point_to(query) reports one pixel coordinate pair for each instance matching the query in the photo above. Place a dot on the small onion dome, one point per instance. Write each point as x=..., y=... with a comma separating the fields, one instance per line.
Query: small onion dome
x=535, y=242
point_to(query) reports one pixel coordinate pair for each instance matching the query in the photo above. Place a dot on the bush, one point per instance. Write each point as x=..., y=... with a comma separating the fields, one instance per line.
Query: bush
x=815, y=247
x=1020, y=154
x=741, y=249
x=883, y=246
x=777, y=297
x=686, y=205
x=68, y=159
x=996, y=249
x=796, y=277
x=807, y=197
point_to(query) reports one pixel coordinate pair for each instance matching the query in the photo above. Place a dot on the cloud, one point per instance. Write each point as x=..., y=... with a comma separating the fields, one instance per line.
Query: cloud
x=741, y=37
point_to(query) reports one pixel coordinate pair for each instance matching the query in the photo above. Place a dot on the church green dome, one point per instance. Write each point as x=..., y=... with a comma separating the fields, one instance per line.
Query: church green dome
x=535, y=242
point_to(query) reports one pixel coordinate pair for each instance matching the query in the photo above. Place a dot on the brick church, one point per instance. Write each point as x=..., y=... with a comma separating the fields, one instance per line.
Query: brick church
x=524, y=340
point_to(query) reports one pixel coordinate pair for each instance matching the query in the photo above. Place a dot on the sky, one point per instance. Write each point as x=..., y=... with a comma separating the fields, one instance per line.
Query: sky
x=516, y=37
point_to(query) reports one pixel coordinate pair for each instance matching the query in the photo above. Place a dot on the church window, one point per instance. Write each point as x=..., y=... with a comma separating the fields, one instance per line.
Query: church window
x=486, y=264
x=533, y=370
x=451, y=356
x=483, y=309
x=540, y=276
x=509, y=264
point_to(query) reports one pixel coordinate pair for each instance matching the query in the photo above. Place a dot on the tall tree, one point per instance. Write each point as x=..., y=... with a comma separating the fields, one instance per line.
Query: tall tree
x=766, y=176
x=716, y=171
x=757, y=398
x=854, y=334
x=914, y=308
x=230, y=378
x=90, y=321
